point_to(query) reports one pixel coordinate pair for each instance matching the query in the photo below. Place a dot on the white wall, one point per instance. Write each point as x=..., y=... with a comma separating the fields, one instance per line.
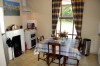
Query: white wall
x=42, y=12
x=9, y=20
x=91, y=20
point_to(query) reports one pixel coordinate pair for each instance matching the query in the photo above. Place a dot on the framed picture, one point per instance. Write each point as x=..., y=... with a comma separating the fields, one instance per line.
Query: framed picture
x=30, y=25
x=11, y=8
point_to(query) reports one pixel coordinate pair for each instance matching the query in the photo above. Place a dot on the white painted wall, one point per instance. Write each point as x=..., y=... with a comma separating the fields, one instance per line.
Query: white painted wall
x=91, y=19
x=42, y=12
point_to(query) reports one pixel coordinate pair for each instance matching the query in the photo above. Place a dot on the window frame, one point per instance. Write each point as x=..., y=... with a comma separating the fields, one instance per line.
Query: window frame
x=66, y=17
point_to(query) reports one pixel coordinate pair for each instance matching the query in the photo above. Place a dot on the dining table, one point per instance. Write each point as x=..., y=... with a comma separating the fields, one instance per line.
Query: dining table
x=69, y=47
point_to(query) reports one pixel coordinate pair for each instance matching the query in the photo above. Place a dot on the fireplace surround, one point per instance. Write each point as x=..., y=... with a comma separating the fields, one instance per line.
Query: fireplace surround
x=16, y=33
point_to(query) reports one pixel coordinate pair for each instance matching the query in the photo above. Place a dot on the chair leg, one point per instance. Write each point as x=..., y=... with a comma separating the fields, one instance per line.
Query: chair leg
x=77, y=62
x=52, y=60
x=44, y=54
x=48, y=60
x=59, y=62
x=38, y=56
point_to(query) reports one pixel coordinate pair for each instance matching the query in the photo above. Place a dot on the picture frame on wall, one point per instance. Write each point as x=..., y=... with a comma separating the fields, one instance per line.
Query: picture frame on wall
x=11, y=8
x=30, y=25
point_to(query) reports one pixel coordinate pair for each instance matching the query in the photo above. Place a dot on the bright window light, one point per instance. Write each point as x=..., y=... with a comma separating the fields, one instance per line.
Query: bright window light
x=64, y=2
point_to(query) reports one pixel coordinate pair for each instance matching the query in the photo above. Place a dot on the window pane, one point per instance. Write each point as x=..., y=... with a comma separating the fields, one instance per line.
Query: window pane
x=75, y=30
x=67, y=10
x=58, y=26
x=69, y=36
x=64, y=2
x=74, y=36
x=67, y=25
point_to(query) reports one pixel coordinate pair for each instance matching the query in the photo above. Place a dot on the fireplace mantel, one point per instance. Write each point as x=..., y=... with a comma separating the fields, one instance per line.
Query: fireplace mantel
x=13, y=33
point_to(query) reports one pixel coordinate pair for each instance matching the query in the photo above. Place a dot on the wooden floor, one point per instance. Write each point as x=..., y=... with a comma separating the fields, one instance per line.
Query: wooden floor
x=29, y=59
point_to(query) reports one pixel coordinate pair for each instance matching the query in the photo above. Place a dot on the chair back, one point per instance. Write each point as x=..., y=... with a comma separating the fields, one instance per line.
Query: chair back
x=38, y=39
x=80, y=44
x=41, y=38
x=54, y=47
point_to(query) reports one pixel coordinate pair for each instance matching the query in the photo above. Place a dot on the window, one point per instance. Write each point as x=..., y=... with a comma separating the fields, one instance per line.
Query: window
x=65, y=22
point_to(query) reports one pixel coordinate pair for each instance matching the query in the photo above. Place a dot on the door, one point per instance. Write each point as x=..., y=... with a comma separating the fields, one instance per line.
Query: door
x=3, y=46
x=2, y=54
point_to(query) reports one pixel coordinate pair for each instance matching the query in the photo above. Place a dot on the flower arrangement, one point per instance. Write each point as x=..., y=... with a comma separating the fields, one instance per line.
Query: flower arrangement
x=64, y=34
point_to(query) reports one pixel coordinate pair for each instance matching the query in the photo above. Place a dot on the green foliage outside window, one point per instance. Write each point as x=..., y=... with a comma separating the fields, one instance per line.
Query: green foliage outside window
x=67, y=10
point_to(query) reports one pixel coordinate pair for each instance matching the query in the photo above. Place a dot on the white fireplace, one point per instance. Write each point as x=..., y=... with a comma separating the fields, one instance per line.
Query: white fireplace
x=11, y=34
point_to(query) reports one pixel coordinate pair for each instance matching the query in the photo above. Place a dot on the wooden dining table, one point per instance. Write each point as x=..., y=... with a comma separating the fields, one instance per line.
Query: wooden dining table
x=68, y=47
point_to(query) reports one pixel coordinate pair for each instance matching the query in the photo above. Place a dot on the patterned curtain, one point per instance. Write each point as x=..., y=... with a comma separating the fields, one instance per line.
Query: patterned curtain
x=56, y=4
x=78, y=6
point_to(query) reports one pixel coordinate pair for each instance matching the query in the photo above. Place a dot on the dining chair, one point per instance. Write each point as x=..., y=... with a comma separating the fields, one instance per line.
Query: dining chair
x=79, y=43
x=52, y=54
x=40, y=38
x=80, y=47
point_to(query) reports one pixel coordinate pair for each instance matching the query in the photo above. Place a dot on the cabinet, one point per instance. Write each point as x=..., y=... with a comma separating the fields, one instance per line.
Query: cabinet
x=30, y=38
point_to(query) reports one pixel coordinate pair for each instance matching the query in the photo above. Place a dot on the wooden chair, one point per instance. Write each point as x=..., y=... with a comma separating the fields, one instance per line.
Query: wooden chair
x=80, y=47
x=40, y=38
x=53, y=54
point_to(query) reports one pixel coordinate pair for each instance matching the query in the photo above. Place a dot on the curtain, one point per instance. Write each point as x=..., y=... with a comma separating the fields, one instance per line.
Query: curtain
x=56, y=4
x=78, y=6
